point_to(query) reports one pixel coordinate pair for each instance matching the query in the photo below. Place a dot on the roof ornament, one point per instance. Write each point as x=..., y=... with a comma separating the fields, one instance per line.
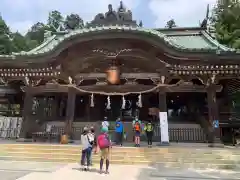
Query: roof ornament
x=140, y=24
x=121, y=11
x=205, y=21
x=47, y=34
x=111, y=15
x=121, y=17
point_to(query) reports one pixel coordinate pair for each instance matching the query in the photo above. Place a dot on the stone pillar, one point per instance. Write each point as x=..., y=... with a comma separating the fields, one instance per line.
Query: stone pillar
x=70, y=111
x=26, y=114
x=213, y=115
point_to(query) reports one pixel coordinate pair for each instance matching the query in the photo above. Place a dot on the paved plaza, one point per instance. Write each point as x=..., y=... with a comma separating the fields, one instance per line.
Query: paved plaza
x=13, y=170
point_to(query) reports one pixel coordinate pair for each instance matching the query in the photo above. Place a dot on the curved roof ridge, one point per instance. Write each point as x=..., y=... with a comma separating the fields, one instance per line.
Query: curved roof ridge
x=43, y=44
x=215, y=42
x=51, y=45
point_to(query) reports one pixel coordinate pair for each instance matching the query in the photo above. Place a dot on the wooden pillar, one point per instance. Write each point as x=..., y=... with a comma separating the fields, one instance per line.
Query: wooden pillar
x=70, y=111
x=213, y=115
x=162, y=101
x=26, y=114
x=213, y=108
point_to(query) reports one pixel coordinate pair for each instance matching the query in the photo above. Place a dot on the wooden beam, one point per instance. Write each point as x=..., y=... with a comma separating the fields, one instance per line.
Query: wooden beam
x=123, y=75
x=46, y=89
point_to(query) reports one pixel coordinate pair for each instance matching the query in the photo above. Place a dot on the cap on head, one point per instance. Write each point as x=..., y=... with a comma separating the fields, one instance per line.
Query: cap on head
x=85, y=128
x=91, y=128
x=105, y=118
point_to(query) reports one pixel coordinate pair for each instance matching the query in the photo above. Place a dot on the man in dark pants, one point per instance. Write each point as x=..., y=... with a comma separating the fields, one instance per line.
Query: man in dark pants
x=149, y=132
x=119, y=132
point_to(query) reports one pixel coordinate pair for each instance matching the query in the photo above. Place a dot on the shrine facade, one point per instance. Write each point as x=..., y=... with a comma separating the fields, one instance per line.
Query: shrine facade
x=114, y=67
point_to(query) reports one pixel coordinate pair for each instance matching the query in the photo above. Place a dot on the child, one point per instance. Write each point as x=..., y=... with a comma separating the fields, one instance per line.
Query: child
x=104, y=145
x=86, y=149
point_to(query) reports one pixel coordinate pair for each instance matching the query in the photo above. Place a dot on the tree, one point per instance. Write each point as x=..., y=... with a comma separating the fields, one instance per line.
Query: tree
x=226, y=22
x=19, y=42
x=55, y=20
x=5, y=38
x=73, y=21
x=36, y=34
x=171, y=24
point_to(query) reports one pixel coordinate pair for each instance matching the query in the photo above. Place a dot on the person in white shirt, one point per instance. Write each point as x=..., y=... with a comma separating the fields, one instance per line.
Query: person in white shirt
x=105, y=123
x=86, y=149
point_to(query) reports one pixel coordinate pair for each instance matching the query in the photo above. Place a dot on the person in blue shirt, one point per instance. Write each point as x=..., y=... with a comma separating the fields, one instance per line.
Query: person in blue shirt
x=119, y=132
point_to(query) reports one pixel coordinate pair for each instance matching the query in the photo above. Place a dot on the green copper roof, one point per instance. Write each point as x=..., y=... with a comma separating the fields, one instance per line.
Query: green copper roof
x=183, y=41
x=192, y=42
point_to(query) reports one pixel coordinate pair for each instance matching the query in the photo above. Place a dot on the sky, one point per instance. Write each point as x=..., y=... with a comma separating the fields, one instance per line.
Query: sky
x=21, y=14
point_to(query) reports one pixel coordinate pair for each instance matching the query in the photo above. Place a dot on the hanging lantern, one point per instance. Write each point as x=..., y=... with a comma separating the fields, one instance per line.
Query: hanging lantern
x=108, y=103
x=123, y=102
x=113, y=75
x=92, y=101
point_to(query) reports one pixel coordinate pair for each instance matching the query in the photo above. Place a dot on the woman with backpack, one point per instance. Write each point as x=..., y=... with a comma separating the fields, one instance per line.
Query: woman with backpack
x=149, y=132
x=86, y=149
x=137, y=126
x=104, y=145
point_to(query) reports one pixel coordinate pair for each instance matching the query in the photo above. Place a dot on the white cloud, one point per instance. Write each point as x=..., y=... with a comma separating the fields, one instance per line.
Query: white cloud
x=184, y=12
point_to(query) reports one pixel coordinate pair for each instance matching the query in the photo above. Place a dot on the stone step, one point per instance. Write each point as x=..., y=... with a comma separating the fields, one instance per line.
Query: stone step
x=132, y=162
x=122, y=149
x=139, y=155
x=171, y=156
x=67, y=160
x=114, y=157
x=128, y=150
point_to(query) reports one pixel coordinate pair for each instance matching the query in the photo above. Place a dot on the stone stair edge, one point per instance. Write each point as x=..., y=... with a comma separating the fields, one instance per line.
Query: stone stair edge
x=119, y=161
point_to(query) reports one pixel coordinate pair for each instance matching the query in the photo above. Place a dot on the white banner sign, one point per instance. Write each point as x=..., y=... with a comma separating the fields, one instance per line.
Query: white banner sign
x=164, y=127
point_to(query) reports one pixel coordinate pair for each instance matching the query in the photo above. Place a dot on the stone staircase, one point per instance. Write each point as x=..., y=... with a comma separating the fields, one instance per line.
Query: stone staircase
x=172, y=156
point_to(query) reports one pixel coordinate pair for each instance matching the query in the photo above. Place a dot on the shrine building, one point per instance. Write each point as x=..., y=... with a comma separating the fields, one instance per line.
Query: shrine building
x=115, y=67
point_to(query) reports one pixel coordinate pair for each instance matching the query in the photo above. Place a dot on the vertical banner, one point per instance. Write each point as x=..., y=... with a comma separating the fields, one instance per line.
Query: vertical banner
x=164, y=127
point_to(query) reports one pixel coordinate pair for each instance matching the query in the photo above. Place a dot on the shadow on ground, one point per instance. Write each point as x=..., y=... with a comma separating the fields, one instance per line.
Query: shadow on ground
x=92, y=170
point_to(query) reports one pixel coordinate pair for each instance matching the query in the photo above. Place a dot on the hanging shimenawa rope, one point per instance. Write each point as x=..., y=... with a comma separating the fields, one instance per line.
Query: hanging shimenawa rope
x=117, y=93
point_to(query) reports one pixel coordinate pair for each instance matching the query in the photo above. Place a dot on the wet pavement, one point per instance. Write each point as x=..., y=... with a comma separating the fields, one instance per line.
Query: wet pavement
x=12, y=170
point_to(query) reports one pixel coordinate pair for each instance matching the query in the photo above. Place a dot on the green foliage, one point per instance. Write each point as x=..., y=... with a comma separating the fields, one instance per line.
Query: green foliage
x=5, y=39
x=19, y=42
x=226, y=21
x=171, y=24
x=16, y=42
x=55, y=19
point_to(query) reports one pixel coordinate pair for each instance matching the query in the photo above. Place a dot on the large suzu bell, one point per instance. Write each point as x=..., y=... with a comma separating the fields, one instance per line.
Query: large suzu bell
x=113, y=75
